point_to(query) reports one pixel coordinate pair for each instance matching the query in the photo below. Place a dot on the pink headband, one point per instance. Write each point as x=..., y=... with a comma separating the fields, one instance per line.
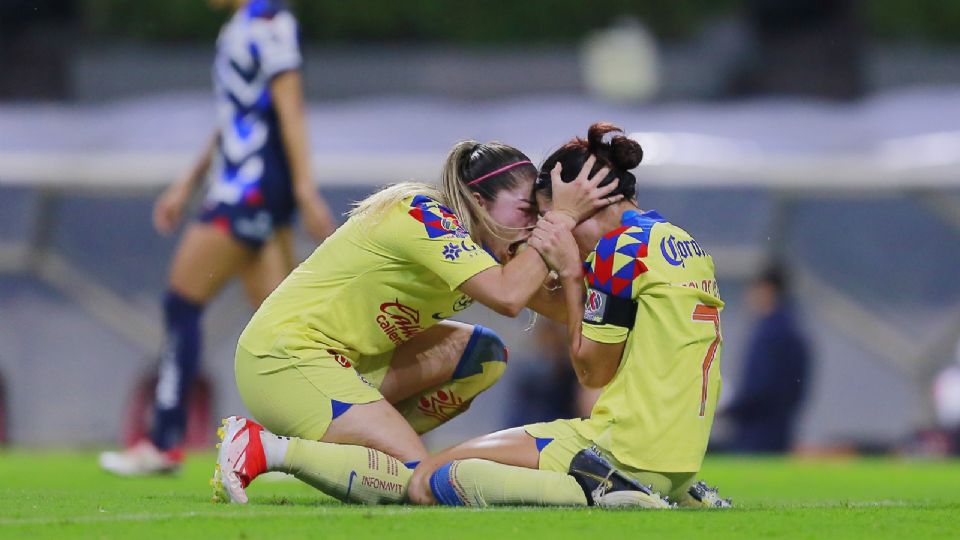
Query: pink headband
x=498, y=171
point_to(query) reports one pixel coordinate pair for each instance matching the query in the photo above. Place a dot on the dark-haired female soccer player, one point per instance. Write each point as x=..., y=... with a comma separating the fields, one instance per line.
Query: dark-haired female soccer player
x=350, y=359
x=648, y=333
x=258, y=165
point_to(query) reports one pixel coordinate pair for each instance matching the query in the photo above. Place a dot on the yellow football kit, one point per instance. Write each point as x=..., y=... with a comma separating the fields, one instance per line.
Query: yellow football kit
x=324, y=338
x=657, y=411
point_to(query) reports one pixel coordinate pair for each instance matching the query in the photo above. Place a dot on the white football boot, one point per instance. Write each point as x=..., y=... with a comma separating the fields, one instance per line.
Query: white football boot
x=240, y=459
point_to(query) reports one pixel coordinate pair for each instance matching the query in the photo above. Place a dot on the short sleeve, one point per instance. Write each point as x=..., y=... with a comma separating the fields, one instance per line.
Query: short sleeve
x=605, y=333
x=276, y=42
x=430, y=235
x=614, y=268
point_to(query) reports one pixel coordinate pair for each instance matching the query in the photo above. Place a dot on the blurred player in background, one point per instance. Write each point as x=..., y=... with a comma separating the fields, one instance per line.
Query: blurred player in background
x=353, y=347
x=258, y=164
x=649, y=335
x=768, y=400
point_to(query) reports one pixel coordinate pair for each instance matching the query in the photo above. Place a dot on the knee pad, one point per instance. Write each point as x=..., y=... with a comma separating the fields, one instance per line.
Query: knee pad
x=484, y=347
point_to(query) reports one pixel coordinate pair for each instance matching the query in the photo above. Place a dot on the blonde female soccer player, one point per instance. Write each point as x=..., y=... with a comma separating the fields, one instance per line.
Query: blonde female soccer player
x=644, y=325
x=258, y=165
x=350, y=358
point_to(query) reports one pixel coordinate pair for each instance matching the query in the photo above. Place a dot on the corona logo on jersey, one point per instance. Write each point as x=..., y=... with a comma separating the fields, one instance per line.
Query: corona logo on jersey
x=676, y=251
x=438, y=220
x=398, y=321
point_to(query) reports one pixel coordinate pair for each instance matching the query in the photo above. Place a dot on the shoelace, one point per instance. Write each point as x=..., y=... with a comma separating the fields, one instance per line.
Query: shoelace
x=603, y=487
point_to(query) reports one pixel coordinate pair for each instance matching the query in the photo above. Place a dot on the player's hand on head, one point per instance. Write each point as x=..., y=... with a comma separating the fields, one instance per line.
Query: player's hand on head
x=583, y=196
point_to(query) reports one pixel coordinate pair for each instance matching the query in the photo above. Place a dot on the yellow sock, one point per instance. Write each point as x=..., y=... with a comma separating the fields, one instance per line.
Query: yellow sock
x=348, y=473
x=478, y=482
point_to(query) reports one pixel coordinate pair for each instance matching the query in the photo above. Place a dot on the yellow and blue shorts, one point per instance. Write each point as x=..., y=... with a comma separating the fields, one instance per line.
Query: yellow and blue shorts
x=299, y=397
x=559, y=441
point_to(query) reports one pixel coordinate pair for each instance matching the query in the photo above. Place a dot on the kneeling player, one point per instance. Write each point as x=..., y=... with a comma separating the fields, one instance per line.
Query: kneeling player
x=649, y=335
x=350, y=358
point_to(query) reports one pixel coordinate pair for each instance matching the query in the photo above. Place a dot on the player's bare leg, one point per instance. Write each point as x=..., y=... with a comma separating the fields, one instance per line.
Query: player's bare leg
x=436, y=375
x=269, y=267
x=206, y=259
x=425, y=361
x=368, y=452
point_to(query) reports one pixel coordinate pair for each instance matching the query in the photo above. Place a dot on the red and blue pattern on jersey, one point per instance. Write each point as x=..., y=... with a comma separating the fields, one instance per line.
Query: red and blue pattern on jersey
x=616, y=262
x=438, y=220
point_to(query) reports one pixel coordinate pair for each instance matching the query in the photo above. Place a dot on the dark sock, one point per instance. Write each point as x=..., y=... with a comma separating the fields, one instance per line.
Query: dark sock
x=178, y=369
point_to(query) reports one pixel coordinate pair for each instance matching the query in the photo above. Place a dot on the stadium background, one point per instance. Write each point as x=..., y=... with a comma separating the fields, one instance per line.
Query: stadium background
x=843, y=159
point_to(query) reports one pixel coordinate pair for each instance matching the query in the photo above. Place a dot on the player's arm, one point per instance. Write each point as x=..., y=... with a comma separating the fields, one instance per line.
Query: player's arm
x=287, y=91
x=549, y=301
x=508, y=289
x=595, y=363
x=168, y=210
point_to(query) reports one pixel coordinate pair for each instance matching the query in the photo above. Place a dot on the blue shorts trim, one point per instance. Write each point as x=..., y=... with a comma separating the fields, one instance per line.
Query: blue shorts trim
x=542, y=443
x=339, y=408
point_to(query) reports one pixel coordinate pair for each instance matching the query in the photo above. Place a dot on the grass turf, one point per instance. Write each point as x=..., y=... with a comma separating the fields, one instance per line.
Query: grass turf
x=64, y=495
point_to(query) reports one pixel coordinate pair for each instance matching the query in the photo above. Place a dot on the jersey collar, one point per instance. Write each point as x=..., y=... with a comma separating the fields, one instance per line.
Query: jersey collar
x=636, y=219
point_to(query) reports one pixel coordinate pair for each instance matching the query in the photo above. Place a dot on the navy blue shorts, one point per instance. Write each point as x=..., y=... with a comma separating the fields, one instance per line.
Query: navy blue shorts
x=251, y=221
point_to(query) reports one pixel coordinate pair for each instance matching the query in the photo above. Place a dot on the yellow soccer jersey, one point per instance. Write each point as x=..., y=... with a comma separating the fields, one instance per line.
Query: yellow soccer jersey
x=657, y=412
x=372, y=285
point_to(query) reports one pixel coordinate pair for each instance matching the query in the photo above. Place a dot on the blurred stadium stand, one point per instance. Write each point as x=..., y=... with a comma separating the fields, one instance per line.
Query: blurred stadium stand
x=863, y=200
x=36, y=37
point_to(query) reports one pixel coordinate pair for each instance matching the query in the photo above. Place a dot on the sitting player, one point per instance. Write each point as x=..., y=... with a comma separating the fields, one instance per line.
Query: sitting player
x=648, y=334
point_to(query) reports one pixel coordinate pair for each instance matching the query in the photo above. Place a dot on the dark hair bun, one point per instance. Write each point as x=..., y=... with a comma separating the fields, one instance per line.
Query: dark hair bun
x=623, y=152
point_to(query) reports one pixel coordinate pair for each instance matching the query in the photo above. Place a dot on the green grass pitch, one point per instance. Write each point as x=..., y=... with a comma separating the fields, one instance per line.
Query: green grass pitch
x=64, y=495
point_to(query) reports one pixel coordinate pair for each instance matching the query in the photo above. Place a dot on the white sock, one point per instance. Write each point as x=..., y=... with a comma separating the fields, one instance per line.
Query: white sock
x=274, y=449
